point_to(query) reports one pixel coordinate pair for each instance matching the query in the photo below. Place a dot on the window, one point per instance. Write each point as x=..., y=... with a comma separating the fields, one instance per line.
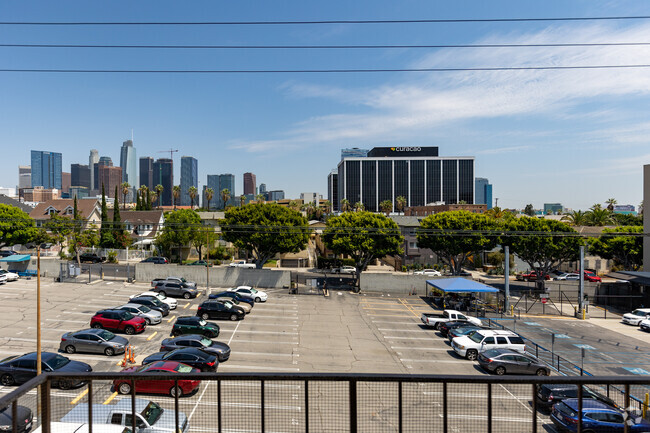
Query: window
x=502, y=340
x=449, y=181
x=413, y=245
x=516, y=340
x=116, y=419
x=615, y=418
x=488, y=340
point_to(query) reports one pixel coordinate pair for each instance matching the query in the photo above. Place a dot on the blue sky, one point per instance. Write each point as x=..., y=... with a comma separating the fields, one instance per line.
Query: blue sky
x=576, y=137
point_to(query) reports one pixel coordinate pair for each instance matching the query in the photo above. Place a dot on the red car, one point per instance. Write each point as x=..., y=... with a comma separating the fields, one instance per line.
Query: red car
x=154, y=386
x=531, y=276
x=590, y=276
x=118, y=320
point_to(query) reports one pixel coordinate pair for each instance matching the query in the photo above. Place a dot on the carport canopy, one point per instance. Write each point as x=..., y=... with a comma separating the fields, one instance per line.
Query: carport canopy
x=460, y=285
x=16, y=258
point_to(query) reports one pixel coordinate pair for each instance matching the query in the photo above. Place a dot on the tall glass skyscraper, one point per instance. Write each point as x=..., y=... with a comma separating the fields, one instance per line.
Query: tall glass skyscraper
x=483, y=192
x=146, y=172
x=129, y=164
x=46, y=169
x=163, y=174
x=189, y=178
x=219, y=182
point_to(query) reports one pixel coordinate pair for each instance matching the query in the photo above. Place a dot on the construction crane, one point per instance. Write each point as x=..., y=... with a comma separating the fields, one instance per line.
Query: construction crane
x=171, y=152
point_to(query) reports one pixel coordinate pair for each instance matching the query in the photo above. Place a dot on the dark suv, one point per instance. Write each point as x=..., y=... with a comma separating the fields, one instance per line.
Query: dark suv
x=168, y=288
x=118, y=320
x=195, y=325
x=7, y=253
x=156, y=260
x=91, y=258
x=550, y=393
x=151, y=302
x=216, y=310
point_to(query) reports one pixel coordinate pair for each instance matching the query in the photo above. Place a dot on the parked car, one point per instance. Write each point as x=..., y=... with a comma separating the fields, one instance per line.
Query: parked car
x=3, y=279
x=435, y=319
x=530, y=276
x=192, y=356
x=257, y=295
x=596, y=417
x=7, y=253
x=445, y=327
x=345, y=270
x=152, y=317
x=16, y=370
x=470, y=345
x=195, y=325
x=82, y=427
x=636, y=317
x=591, y=276
x=213, y=309
x=222, y=350
x=91, y=258
x=199, y=263
x=157, y=386
x=93, y=341
x=242, y=264
x=645, y=325
x=233, y=295
x=567, y=276
x=178, y=280
x=118, y=320
x=10, y=276
x=169, y=288
x=243, y=305
x=463, y=330
x=549, y=394
x=502, y=361
x=24, y=419
x=152, y=302
x=429, y=272
x=172, y=303
x=156, y=260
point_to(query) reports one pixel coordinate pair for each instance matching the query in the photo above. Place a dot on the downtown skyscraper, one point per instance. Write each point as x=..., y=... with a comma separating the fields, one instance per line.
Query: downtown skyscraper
x=189, y=178
x=163, y=174
x=129, y=164
x=46, y=169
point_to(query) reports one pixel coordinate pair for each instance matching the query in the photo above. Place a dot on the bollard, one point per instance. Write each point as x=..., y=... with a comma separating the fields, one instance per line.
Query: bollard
x=512, y=310
x=584, y=314
x=645, y=404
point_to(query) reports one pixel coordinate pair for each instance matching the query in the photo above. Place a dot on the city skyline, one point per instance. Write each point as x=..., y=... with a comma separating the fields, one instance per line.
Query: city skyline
x=573, y=136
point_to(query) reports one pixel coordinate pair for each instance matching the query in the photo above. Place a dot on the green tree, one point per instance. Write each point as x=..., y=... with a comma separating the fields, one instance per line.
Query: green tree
x=400, y=203
x=364, y=236
x=259, y=198
x=181, y=228
x=242, y=200
x=597, y=216
x=624, y=245
x=386, y=206
x=205, y=237
x=59, y=228
x=345, y=205
x=121, y=238
x=225, y=196
x=16, y=227
x=209, y=194
x=125, y=190
x=627, y=219
x=610, y=204
x=576, y=218
x=176, y=193
x=543, y=244
x=528, y=210
x=265, y=229
x=192, y=192
x=359, y=206
x=106, y=235
x=449, y=235
x=159, y=190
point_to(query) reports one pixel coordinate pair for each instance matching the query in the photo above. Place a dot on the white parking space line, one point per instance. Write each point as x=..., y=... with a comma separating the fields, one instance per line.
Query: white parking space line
x=392, y=337
x=67, y=321
x=268, y=324
x=437, y=361
x=274, y=317
x=114, y=295
x=266, y=342
x=30, y=340
x=433, y=349
x=404, y=330
x=255, y=367
x=268, y=332
x=398, y=323
x=266, y=354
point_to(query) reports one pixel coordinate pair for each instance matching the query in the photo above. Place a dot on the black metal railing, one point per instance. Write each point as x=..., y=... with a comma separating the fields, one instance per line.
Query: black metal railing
x=300, y=402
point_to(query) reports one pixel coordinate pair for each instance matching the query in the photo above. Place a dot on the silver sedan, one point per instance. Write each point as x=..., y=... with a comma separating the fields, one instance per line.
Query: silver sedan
x=152, y=317
x=93, y=341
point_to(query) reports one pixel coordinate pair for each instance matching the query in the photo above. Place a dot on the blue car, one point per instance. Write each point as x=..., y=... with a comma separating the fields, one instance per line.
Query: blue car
x=597, y=417
x=233, y=295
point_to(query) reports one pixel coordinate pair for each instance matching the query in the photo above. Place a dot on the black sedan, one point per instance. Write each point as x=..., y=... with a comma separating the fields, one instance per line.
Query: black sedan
x=222, y=350
x=192, y=356
x=24, y=423
x=234, y=295
x=214, y=309
x=16, y=370
x=151, y=302
x=445, y=327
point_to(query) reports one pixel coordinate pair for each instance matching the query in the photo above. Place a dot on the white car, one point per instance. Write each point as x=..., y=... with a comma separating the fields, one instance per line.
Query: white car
x=345, y=270
x=636, y=316
x=429, y=272
x=568, y=276
x=469, y=346
x=152, y=317
x=173, y=303
x=249, y=292
x=3, y=279
x=11, y=276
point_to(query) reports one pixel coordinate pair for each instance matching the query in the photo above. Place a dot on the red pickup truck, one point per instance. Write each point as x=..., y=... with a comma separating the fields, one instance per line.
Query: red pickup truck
x=530, y=276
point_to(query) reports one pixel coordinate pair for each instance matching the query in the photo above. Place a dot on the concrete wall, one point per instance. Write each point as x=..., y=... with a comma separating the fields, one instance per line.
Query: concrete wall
x=400, y=284
x=222, y=276
x=49, y=267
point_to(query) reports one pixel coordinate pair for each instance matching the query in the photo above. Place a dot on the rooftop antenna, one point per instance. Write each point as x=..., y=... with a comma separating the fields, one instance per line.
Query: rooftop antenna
x=131, y=134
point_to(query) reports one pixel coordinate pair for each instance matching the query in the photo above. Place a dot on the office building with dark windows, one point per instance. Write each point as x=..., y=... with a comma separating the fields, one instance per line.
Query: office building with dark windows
x=418, y=174
x=333, y=190
x=146, y=172
x=189, y=178
x=163, y=174
x=46, y=169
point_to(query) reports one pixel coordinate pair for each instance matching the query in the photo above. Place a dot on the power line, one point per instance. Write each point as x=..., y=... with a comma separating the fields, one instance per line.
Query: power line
x=311, y=22
x=322, y=71
x=328, y=47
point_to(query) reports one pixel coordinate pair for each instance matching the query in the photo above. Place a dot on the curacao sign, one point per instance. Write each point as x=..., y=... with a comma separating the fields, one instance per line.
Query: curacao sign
x=406, y=149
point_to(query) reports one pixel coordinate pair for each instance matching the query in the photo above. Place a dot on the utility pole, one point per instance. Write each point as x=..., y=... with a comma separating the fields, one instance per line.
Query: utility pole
x=506, y=271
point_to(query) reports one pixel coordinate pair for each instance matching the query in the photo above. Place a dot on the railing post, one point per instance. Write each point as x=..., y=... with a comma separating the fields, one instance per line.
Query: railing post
x=534, y=408
x=489, y=407
x=400, y=409
x=262, y=405
x=133, y=423
x=176, y=391
x=626, y=427
x=445, y=421
x=45, y=406
x=90, y=406
x=353, y=406
x=580, y=408
x=306, y=406
x=14, y=416
x=219, y=426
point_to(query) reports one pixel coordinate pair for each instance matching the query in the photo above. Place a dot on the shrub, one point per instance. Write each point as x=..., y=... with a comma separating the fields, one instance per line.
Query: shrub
x=112, y=257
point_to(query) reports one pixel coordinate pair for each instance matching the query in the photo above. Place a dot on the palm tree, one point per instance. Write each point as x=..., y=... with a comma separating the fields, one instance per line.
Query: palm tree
x=400, y=203
x=386, y=206
x=225, y=196
x=345, y=205
x=242, y=199
x=176, y=193
x=576, y=218
x=259, y=198
x=328, y=206
x=610, y=203
x=293, y=204
x=358, y=206
x=598, y=216
x=496, y=212
x=209, y=193
x=125, y=190
x=159, y=190
x=192, y=191
x=154, y=197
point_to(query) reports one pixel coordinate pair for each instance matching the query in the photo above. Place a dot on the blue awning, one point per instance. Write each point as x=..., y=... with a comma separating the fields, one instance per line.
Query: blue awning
x=16, y=258
x=460, y=285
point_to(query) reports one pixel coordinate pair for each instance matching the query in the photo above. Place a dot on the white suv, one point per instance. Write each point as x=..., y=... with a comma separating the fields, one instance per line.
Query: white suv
x=470, y=345
x=636, y=316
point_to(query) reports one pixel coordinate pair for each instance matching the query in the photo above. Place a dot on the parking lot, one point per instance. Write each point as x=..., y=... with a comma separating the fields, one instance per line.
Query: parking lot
x=342, y=333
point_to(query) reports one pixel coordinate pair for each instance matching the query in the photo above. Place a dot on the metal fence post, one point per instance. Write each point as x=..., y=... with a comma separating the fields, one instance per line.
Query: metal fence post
x=133, y=423
x=534, y=409
x=489, y=407
x=46, y=416
x=626, y=427
x=176, y=391
x=219, y=426
x=580, y=408
x=90, y=406
x=306, y=406
x=14, y=416
x=262, y=405
x=400, y=409
x=445, y=420
x=353, y=406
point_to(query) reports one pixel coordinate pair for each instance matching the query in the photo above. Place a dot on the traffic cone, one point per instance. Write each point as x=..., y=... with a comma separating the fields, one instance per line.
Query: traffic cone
x=131, y=355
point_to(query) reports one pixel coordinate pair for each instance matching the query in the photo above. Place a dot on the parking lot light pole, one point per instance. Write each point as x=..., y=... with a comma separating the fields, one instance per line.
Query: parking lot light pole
x=506, y=268
x=207, y=262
